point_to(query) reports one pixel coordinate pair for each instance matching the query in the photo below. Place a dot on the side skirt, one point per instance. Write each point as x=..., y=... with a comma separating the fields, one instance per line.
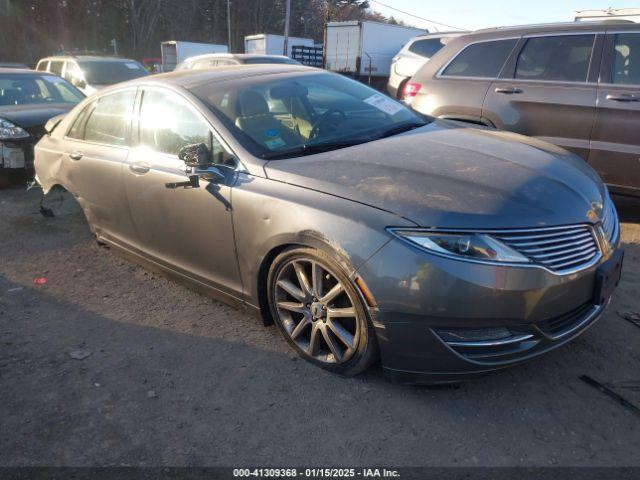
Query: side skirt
x=186, y=280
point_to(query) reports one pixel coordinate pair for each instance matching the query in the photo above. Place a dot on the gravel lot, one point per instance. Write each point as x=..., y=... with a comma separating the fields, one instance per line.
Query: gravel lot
x=164, y=376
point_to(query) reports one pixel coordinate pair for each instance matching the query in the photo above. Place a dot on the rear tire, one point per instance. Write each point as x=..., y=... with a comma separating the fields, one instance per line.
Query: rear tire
x=319, y=311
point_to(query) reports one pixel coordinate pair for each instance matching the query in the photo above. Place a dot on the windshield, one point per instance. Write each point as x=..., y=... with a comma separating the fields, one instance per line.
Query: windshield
x=103, y=72
x=28, y=89
x=304, y=114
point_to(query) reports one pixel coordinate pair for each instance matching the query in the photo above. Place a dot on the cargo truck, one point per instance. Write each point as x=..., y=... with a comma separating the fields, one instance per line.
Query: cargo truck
x=364, y=49
x=175, y=52
x=268, y=44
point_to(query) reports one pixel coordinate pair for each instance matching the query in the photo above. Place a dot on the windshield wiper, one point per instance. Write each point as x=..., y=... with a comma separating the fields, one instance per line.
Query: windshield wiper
x=308, y=149
x=311, y=148
x=404, y=127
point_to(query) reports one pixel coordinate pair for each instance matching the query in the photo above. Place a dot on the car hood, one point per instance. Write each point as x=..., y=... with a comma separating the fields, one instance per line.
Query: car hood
x=28, y=116
x=450, y=175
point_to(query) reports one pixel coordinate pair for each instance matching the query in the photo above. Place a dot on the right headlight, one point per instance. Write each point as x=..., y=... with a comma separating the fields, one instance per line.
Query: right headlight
x=463, y=245
x=9, y=131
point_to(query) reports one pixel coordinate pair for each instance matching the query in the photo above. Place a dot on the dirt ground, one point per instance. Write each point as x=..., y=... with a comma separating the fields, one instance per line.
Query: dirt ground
x=164, y=376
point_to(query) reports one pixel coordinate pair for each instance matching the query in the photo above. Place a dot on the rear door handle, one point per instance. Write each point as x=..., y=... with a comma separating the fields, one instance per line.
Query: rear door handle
x=508, y=90
x=75, y=155
x=140, y=167
x=625, y=97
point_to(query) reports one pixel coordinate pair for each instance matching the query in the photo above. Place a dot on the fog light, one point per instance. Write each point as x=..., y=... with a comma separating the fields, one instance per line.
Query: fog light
x=473, y=335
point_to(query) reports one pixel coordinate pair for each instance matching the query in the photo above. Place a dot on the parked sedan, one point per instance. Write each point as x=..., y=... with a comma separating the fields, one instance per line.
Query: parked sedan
x=28, y=100
x=210, y=60
x=576, y=85
x=351, y=222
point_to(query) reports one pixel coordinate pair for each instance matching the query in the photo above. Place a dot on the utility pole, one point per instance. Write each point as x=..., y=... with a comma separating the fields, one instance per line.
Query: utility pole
x=287, y=16
x=229, y=24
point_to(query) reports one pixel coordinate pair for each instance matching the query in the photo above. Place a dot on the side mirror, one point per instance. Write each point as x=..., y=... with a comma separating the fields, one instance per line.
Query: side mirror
x=53, y=123
x=211, y=175
x=196, y=155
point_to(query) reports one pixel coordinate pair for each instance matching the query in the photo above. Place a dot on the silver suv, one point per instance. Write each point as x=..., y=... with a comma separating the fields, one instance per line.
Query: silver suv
x=414, y=55
x=576, y=85
x=90, y=74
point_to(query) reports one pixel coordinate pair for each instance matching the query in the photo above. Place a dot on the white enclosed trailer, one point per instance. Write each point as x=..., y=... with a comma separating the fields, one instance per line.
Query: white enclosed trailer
x=364, y=48
x=268, y=44
x=174, y=52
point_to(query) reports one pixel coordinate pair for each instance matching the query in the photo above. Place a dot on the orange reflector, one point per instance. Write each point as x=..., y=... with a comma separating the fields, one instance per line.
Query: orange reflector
x=365, y=292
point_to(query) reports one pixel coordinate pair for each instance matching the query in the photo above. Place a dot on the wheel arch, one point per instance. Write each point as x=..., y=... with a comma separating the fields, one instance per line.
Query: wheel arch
x=310, y=239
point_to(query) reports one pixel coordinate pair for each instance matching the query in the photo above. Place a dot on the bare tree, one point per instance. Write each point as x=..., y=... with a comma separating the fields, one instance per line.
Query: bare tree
x=33, y=29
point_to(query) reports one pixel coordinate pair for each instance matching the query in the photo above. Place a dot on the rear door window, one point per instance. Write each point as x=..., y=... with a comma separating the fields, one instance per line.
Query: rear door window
x=563, y=58
x=110, y=120
x=55, y=67
x=484, y=59
x=626, y=60
x=427, y=48
x=67, y=71
x=42, y=66
x=71, y=71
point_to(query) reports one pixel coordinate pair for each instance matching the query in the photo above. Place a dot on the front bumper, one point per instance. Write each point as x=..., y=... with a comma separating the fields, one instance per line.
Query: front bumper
x=441, y=320
x=17, y=154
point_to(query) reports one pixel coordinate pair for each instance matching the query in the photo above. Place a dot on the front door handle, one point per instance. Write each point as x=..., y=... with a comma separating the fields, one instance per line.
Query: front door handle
x=75, y=155
x=140, y=167
x=508, y=90
x=625, y=97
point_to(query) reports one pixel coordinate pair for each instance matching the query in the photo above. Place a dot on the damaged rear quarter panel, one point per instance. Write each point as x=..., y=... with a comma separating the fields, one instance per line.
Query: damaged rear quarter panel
x=50, y=160
x=50, y=163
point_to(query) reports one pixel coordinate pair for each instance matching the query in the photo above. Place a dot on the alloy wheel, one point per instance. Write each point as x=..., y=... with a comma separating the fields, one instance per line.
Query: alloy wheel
x=316, y=311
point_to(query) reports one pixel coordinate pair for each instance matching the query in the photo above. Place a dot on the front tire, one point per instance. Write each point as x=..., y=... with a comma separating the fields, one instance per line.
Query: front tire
x=319, y=311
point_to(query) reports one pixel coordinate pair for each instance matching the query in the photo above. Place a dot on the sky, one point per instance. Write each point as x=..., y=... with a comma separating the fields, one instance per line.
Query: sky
x=474, y=14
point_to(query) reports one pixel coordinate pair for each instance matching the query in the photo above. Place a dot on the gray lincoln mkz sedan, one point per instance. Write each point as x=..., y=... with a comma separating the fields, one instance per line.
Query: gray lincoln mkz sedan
x=356, y=225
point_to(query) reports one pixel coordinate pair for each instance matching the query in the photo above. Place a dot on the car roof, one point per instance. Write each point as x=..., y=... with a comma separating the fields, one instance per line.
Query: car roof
x=92, y=58
x=554, y=27
x=441, y=34
x=192, y=78
x=23, y=71
x=239, y=56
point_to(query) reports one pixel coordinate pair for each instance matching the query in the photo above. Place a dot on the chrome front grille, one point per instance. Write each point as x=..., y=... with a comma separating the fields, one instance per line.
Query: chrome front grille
x=559, y=249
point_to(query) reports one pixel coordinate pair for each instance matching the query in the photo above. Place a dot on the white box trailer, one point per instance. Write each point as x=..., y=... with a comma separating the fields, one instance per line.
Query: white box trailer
x=364, y=48
x=631, y=14
x=268, y=44
x=174, y=52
